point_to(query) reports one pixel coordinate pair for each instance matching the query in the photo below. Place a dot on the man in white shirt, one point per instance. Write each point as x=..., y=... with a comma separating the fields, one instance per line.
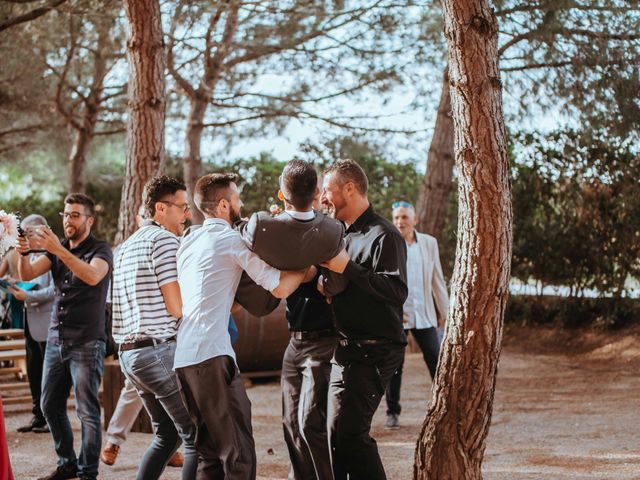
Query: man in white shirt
x=210, y=263
x=427, y=292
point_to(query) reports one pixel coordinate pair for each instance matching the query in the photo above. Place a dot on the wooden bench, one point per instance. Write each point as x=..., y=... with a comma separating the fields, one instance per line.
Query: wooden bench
x=11, y=344
x=19, y=359
x=12, y=332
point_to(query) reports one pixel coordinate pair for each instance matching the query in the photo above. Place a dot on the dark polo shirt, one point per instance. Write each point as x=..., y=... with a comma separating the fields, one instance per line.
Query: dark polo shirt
x=79, y=309
x=371, y=305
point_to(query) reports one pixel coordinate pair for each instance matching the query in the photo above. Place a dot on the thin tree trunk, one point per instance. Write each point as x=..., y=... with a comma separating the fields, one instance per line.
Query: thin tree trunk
x=145, y=125
x=452, y=440
x=93, y=105
x=192, y=166
x=436, y=186
x=78, y=160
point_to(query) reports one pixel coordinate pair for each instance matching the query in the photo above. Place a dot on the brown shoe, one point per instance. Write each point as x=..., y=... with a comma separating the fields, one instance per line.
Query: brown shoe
x=109, y=453
x=176, y=460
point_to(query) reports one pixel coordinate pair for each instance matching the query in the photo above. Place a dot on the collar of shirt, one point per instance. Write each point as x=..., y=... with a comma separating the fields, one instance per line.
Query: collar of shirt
x=215, y=221
x=87, y=241
x=149, y=222
x=362, y=220
x=310, y=215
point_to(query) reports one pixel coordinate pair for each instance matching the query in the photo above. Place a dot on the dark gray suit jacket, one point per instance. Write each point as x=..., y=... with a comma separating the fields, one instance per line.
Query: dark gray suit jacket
x=286, y=243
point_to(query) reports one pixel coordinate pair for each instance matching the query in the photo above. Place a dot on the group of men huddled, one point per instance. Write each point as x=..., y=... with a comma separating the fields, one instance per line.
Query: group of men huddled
x=344, y=275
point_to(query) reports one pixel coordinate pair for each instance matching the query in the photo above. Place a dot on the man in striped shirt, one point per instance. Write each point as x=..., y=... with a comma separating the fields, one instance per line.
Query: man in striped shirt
x=147, y=306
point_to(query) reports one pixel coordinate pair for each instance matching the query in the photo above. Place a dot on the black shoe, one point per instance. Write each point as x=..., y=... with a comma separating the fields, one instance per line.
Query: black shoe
x=61, y=473
x=42, y=429
x=35, y=422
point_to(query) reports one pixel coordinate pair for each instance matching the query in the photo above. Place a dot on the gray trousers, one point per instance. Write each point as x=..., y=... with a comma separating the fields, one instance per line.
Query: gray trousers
x=213, y=392
x=306, y=368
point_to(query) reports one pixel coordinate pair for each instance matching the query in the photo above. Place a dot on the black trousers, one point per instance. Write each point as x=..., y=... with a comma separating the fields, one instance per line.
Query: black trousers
x=35, y=360
x=359, y=378
x=306, y=368
x=213, y=392
x=427, y=339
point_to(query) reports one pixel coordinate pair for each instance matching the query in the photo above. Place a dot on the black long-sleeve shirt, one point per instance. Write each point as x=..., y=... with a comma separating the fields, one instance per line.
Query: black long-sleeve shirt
x=370, y=307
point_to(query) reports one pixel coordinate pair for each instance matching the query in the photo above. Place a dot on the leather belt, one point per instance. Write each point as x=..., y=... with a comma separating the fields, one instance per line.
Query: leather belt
x=312, y=335
x=345, y=342
x=147, y=342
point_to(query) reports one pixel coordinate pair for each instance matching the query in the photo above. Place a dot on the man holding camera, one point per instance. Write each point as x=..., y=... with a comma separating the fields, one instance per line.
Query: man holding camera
x=80, y=266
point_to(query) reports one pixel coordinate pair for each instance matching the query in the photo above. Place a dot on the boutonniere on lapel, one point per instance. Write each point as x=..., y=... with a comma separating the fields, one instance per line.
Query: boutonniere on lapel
x=275, y=210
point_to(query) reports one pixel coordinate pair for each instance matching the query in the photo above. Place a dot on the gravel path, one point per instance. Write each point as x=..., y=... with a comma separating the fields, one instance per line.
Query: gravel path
x=556, y=417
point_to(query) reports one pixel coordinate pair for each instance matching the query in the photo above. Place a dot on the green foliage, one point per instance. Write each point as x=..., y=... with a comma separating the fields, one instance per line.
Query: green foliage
x=388, y=181
x=576, y=203
x=572, y=312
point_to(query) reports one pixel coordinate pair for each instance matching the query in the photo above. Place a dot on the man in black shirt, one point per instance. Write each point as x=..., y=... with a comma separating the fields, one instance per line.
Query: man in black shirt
x=368, y=315
x=74, y=356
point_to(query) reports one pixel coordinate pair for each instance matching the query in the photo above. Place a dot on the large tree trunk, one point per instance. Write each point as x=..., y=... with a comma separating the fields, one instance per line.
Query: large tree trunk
x=192, y=166
x=436, y=186
x=452, y=440
x=145, y=125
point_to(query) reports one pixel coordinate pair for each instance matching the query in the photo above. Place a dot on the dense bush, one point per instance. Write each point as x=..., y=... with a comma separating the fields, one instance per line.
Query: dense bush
x=572, y=312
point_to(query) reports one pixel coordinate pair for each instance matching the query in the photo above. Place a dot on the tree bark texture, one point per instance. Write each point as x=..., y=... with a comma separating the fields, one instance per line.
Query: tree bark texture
x=192, y=166
x=145, y=125
x=436, y=185
x=452, y=440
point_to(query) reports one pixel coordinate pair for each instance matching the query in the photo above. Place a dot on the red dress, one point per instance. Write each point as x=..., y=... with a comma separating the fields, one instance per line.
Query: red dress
x=5, y=463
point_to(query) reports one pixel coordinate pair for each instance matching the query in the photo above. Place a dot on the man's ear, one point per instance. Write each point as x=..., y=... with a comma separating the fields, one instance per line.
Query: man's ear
x=280, y=195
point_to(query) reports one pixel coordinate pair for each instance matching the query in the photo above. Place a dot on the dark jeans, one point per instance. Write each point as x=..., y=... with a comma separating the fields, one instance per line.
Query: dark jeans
x=306, y=368
x=35, y=360
x=82, y=366
x=427, y=339
x=213, y=392
x=359, y=377
x=150, y=370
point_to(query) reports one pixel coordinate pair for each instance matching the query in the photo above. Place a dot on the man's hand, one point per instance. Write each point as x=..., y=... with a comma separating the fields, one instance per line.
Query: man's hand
x=18, y=293
x=405, y=319
x=320, y=287
x=22, y=247
x=338, y=263
x=50, y=241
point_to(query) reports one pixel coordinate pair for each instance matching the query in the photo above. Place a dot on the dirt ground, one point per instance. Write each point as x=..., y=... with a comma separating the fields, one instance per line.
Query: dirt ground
x=566, y=407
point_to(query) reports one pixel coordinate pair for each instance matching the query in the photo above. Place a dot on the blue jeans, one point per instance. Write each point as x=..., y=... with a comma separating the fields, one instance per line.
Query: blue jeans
x=150, y=370
x=81, y=366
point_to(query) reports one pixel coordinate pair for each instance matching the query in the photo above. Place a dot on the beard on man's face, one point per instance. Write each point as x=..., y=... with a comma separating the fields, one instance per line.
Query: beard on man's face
x=74, y=233
x=234, y=216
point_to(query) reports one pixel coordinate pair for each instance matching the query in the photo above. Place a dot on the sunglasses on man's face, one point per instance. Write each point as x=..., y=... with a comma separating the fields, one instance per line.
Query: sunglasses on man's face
x=401, y=203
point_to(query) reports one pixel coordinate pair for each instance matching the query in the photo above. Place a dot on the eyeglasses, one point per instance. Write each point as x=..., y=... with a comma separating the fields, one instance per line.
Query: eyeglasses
x=185, y=207
x=73, y=215
x=401, y=203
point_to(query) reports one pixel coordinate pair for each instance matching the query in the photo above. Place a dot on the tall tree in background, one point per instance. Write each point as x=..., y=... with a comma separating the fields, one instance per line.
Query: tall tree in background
x=145, y=153
x=579, y=55
x=90, y=51
x=452, y=440
x=270, y=62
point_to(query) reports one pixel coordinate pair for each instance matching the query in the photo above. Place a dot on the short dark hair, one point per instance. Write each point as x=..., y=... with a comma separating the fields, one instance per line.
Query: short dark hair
x=348, y=170
x=299, y=182
x=85, y=200
x=157, y=189
x=212, y=188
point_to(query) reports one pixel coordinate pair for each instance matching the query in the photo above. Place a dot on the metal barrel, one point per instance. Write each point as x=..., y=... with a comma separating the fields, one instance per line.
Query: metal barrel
x=262, y=341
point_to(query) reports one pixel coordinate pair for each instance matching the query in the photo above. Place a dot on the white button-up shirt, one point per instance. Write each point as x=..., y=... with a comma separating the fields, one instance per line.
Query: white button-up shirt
x=414, y=306
x=210, y=263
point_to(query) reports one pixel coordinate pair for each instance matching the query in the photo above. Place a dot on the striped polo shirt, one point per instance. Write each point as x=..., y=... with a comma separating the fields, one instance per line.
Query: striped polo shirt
x=143, y=263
